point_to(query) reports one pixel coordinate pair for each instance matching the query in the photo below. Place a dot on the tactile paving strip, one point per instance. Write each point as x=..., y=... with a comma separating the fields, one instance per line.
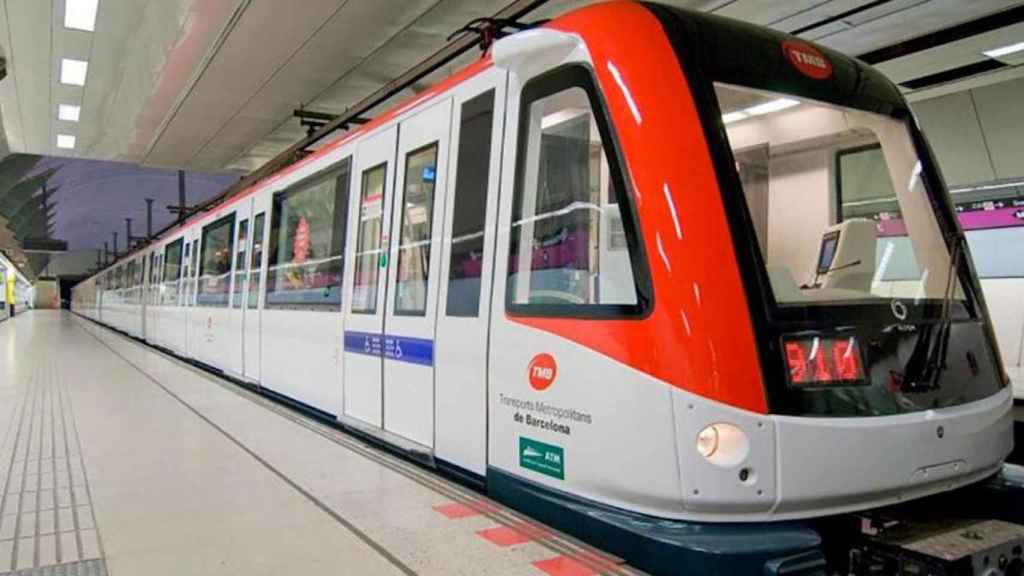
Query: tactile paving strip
x=46, y=515
x=95, y=567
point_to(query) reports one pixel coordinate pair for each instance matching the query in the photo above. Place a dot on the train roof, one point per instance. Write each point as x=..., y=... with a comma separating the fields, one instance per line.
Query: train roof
x=740, y=53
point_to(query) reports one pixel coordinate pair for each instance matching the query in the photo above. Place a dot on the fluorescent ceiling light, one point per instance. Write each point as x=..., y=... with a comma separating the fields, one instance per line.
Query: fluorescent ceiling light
x=730, y=117
x=73, y=71
x=772, y=106
x=65, y=141
x=997, y=52
x=68, y=112
x=80, y=14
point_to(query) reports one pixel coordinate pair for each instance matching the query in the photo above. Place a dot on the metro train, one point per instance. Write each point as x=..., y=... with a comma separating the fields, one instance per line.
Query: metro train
x=623, y=272
x=16, y=292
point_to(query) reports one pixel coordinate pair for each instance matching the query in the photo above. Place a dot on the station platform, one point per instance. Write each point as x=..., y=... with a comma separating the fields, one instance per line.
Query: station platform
x=118, y=459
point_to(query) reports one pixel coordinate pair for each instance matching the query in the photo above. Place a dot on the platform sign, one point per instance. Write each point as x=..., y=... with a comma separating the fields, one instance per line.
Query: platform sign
x=541, y=457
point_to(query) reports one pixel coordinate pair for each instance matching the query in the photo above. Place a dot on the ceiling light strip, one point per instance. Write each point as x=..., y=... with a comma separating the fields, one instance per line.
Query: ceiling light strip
x=81, y=14
x=68, y=112
x=73, y=72
x=1005, y=50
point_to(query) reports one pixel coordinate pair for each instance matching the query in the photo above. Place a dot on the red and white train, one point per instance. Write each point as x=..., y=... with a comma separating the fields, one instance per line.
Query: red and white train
x=623, y=271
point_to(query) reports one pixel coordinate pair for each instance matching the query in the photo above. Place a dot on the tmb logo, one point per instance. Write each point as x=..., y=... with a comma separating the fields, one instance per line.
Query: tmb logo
x=807, y=59
x=542, y=371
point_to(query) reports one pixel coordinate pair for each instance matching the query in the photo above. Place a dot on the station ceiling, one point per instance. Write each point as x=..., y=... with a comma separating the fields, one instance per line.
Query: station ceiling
x=212, y=84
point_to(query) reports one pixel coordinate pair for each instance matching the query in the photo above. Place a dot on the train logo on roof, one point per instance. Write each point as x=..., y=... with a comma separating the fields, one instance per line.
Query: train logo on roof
x=807, y=59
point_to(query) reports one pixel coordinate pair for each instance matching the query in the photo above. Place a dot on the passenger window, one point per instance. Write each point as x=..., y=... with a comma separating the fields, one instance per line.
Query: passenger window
x=307, y=239
x=414, y=242
x=172, y=270
x=574, y=251
x=241, y=245
x=215, y=264
x=256, y=267
x=474, y=163
x=368, y=252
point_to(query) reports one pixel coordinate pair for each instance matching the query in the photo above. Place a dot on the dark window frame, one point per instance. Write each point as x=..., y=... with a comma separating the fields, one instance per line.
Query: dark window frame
x=204, y=233
x=341, y=170
x=372, y=311
x=180, y=242
x=436, y=146
x=486, y=100
x=241, y=261
x=255, y=271
x=547, y=84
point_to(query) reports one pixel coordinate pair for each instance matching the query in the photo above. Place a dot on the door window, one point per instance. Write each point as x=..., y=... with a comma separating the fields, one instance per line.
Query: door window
x=369, y=257
x=414, y=242
x=172, y=272
x=256, y=267
x=195, y=273
x=243, y=243
x=469, y=211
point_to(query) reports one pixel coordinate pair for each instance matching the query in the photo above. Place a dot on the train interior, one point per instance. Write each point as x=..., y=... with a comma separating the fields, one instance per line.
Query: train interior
x=836, y=201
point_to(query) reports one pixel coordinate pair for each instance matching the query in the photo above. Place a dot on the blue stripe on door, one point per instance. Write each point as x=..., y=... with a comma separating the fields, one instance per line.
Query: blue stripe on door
x=401, y=348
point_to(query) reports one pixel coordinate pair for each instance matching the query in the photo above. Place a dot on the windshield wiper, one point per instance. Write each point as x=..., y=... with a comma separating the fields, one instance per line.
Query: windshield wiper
x=939, y=344
x=928, y=359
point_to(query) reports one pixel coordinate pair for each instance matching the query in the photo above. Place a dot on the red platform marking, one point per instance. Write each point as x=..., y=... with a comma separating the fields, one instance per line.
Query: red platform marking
x=503, y=536
x=457, y=510
x=564, y=566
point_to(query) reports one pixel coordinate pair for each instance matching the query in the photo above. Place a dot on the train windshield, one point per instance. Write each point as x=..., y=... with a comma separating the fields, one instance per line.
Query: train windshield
x=837, y=203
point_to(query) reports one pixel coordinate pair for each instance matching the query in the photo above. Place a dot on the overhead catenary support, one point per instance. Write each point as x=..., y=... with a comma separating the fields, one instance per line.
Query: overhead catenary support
x=115, y=245
x=106, y=253
x=181, y=196
x=314, y=120
x=149, y=219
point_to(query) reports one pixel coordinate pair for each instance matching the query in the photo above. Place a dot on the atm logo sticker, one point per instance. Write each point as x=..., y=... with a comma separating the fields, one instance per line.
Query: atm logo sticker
x=808, y=60
x=541, y=457
x=542, y=371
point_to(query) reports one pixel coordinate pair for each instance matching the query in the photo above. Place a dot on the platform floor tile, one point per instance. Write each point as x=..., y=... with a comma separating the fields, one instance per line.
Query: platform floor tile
x=118, y=457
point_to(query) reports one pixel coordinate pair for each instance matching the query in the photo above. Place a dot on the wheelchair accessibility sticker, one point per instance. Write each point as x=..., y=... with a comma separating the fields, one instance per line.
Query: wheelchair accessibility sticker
x=390, y=346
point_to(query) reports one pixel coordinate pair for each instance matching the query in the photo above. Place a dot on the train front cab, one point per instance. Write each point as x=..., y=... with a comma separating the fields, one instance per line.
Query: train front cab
x=766, y=352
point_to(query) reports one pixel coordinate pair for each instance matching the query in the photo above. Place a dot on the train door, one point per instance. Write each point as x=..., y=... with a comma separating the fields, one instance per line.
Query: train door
x=364, y=316
x=467, y=260
x=151, y=293
x=236, y=308
x=411, y=295
x=192, y=336
x=147, y=264
x=253, y=291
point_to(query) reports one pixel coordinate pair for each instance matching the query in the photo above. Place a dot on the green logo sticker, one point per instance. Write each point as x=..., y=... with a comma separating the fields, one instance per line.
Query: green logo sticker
x=540, y=457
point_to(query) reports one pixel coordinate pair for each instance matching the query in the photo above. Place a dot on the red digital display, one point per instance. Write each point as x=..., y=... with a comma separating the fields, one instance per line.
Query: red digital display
x=818, y=361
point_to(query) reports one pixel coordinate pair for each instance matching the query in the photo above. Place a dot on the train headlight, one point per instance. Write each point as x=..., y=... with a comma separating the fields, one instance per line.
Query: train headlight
x=723, y=444
x=707, y=441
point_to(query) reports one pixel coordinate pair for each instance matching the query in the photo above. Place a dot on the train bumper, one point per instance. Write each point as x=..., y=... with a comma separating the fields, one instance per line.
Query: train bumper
x=808, y=467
